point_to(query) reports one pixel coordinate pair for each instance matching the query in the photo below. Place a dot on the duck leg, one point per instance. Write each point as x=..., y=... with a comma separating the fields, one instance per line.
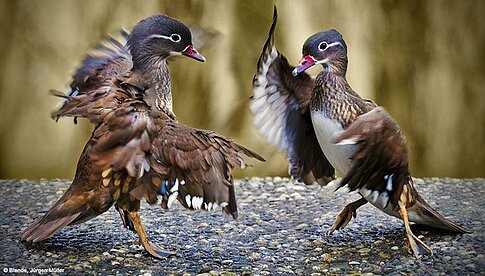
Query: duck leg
x=417, y=246
x=346, y=215
x=154, y=250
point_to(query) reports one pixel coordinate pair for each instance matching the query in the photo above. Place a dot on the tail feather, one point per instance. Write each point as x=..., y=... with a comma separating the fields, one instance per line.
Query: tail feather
x=426, y=215
x=69, y=209
x=47, y=226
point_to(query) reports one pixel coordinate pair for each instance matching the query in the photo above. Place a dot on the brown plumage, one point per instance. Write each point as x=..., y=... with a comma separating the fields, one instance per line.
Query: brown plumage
x=358, y=138
x=137, y=149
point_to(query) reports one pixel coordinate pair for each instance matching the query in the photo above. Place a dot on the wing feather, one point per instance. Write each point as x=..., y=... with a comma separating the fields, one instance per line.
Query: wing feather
x=381, y=163
x=280, y=110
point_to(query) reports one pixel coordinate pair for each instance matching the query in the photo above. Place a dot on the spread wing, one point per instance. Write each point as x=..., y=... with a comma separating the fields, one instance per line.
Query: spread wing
x=141, y=153
x=110, y=59
x=96, y=104
x=280, y=110
x=95, y=78
x=380, y=166
x=197, y=166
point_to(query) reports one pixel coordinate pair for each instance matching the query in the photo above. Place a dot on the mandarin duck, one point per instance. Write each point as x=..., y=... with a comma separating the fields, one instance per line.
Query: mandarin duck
x=323, y=125
x=137, y=149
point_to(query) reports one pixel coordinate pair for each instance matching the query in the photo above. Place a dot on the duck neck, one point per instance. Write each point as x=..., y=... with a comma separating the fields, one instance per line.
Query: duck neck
x=332, y=79
x=334, y=96
x=335, y=69
x=155, y=77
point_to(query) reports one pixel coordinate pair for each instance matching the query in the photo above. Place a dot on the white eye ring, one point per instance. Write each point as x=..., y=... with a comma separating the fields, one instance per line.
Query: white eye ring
x=175, y=38
x=323, y=46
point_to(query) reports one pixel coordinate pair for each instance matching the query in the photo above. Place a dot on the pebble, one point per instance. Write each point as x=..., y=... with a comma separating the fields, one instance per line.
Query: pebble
x=383, y=255
x=354, y=263
x=227, y=262
x=364, y=251
x=302, y=225
x=118, y=250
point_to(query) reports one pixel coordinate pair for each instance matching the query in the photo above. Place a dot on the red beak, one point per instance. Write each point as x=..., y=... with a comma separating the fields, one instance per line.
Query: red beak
x=192, y=53
x=305, y=63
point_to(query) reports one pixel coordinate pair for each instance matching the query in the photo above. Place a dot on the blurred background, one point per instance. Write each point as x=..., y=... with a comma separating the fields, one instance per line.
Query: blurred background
x=422, y=60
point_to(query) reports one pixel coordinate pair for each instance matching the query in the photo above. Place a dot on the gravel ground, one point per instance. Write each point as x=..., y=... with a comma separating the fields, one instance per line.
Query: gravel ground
x=280, y=230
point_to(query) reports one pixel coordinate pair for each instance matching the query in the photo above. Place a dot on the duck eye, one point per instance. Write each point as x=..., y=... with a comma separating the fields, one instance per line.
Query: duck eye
x=322, y=46
x=175, y=38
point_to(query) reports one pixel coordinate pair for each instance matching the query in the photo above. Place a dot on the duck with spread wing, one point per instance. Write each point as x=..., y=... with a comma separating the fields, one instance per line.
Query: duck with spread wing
x=325, y=126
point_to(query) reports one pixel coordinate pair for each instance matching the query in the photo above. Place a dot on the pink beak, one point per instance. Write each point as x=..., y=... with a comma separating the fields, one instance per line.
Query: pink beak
x=192, y=53
x=305, y=63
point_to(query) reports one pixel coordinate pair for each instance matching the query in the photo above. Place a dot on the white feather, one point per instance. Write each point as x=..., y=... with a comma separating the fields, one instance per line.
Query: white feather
x=389, y=182
x=187, y=200
x=350, y=141
x=197, y=202
x=365, y=192
x=383, y=199
x=172, y=198
x=175, y=187
x=374, y=197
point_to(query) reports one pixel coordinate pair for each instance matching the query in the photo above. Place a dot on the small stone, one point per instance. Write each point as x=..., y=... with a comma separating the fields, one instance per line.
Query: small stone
x=227, y=262
x=354, y=263
x=384, y=255
x=394, y=248
x=280, y=189
x=302, y=225
x=95, y=259
x=364, y=251
x=298, y=188
x=118, y=250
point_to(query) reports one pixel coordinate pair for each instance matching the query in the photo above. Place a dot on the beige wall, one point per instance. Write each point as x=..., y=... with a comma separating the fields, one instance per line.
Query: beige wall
x=423, y=60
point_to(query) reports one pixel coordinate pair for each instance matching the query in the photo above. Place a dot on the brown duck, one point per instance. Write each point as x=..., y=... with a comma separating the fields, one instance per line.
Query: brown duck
x=322, y=124
x=137, y=149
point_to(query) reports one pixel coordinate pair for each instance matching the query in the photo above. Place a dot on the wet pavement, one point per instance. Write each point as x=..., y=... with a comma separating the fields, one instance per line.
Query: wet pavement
x=280, y=231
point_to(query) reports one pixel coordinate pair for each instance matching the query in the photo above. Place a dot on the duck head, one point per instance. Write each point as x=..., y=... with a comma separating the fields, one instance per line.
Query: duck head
x=327, y=48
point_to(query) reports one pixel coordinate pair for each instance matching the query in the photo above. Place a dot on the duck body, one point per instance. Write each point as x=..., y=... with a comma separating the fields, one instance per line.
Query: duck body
x=331, y=114
x=325, y=130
